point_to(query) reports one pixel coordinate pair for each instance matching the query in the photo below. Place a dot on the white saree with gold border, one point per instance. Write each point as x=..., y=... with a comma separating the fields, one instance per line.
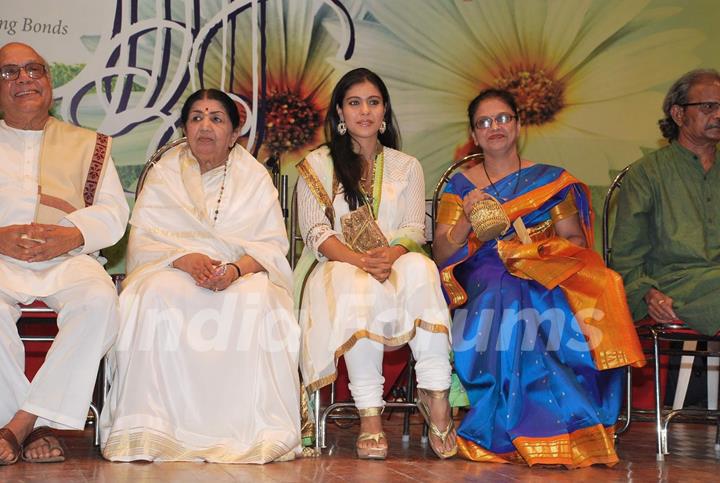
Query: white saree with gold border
x=339, y=303
x=202, y=375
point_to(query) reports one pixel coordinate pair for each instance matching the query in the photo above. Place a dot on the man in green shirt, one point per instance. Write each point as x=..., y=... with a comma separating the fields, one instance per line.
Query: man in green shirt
x=666, y=242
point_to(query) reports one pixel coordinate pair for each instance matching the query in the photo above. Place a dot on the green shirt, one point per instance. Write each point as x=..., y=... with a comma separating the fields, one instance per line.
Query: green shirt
x=667, y=235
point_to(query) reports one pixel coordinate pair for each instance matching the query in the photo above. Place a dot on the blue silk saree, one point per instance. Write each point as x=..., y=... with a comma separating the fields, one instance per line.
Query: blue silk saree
x=540, y=329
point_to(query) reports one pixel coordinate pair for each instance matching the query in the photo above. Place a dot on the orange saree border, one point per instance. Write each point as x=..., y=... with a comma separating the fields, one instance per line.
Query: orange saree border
x=594, y=292
x=583, y=447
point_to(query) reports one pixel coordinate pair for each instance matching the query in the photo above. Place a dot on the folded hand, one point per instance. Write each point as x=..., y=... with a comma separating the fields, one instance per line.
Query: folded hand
x=221, y=279
x=39, y=242
x=14, y=241
x=199, y=266
x=378, y=262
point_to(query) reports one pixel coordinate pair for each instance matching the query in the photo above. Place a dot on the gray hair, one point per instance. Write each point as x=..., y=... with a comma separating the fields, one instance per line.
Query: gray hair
x=678, y=95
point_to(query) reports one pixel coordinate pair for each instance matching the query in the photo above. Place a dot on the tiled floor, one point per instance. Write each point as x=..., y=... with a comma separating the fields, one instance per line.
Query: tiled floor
x=693, y=458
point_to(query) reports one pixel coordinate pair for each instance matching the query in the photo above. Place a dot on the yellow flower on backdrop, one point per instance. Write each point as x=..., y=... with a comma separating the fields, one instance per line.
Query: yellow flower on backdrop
x=583, y=71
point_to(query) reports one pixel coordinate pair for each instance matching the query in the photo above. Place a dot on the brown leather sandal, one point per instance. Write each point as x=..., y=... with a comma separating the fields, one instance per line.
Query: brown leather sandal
x=43, y=432
x=9, y=436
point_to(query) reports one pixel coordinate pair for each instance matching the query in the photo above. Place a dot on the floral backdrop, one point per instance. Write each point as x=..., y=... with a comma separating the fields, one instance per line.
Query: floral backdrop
x=589, y=75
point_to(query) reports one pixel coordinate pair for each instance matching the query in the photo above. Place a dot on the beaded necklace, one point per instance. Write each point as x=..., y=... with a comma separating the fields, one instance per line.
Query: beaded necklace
x=517, y=179
x=222, y=189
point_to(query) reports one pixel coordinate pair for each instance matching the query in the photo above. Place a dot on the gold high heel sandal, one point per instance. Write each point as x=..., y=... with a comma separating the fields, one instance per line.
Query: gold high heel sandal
x=377, y=453
x=423, y=396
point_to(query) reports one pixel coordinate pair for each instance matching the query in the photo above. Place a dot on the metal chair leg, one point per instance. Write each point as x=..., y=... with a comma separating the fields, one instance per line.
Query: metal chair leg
x=424, y=437
x=319, y=432
x=713, y=375
x=628, y=402
x=658, y=407
x=410, y=398
x=96, y=429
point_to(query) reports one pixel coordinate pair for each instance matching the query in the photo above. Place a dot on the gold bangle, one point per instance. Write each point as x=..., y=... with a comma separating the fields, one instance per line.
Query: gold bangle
x=450, y=240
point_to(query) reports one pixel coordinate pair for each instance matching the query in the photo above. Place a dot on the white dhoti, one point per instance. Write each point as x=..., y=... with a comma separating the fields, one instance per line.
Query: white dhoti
x=87, y=320
x=204, y=376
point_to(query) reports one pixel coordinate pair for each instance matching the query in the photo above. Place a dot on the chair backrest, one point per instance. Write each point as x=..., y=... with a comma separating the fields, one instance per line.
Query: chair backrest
x=478, y=157
x=295, y=236
x=606, y=214
x=153, y=160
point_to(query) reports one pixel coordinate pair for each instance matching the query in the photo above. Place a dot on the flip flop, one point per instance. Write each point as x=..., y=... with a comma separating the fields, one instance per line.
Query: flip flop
x=9, y=436
x=43, y=432
x=423, y=396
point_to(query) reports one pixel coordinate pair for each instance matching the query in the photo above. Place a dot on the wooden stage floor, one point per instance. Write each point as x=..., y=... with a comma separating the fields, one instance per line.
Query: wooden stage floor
x=693, y=458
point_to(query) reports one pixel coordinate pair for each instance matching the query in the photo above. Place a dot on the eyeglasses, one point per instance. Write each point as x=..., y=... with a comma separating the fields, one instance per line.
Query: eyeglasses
x=486, y=122
x=704, y=107
x=34, y=70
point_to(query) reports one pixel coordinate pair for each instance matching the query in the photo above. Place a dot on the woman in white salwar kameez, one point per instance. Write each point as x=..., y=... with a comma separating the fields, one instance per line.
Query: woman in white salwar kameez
x=353, y=304
x=205, y=367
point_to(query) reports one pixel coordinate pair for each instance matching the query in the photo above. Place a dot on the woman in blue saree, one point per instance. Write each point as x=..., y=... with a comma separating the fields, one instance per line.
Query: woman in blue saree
x=541, y=326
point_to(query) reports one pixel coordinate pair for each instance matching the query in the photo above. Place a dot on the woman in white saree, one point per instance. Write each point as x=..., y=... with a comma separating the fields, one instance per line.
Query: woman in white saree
x=205, y=367
x=354, y=302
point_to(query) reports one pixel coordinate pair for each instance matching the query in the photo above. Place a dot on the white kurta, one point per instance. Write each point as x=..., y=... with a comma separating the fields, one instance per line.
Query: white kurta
x=342, y=303
x=202, y=375
x=75, y=285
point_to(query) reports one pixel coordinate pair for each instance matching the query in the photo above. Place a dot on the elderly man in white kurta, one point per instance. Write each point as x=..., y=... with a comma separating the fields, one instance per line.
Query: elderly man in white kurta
x=60, y=202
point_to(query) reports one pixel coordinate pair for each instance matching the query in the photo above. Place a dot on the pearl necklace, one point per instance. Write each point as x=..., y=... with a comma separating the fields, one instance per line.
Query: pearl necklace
x=222, y=189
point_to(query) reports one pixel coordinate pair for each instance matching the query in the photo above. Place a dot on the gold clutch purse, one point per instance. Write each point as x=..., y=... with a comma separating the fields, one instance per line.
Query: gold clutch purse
x=360, y=230
x=488, y=219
